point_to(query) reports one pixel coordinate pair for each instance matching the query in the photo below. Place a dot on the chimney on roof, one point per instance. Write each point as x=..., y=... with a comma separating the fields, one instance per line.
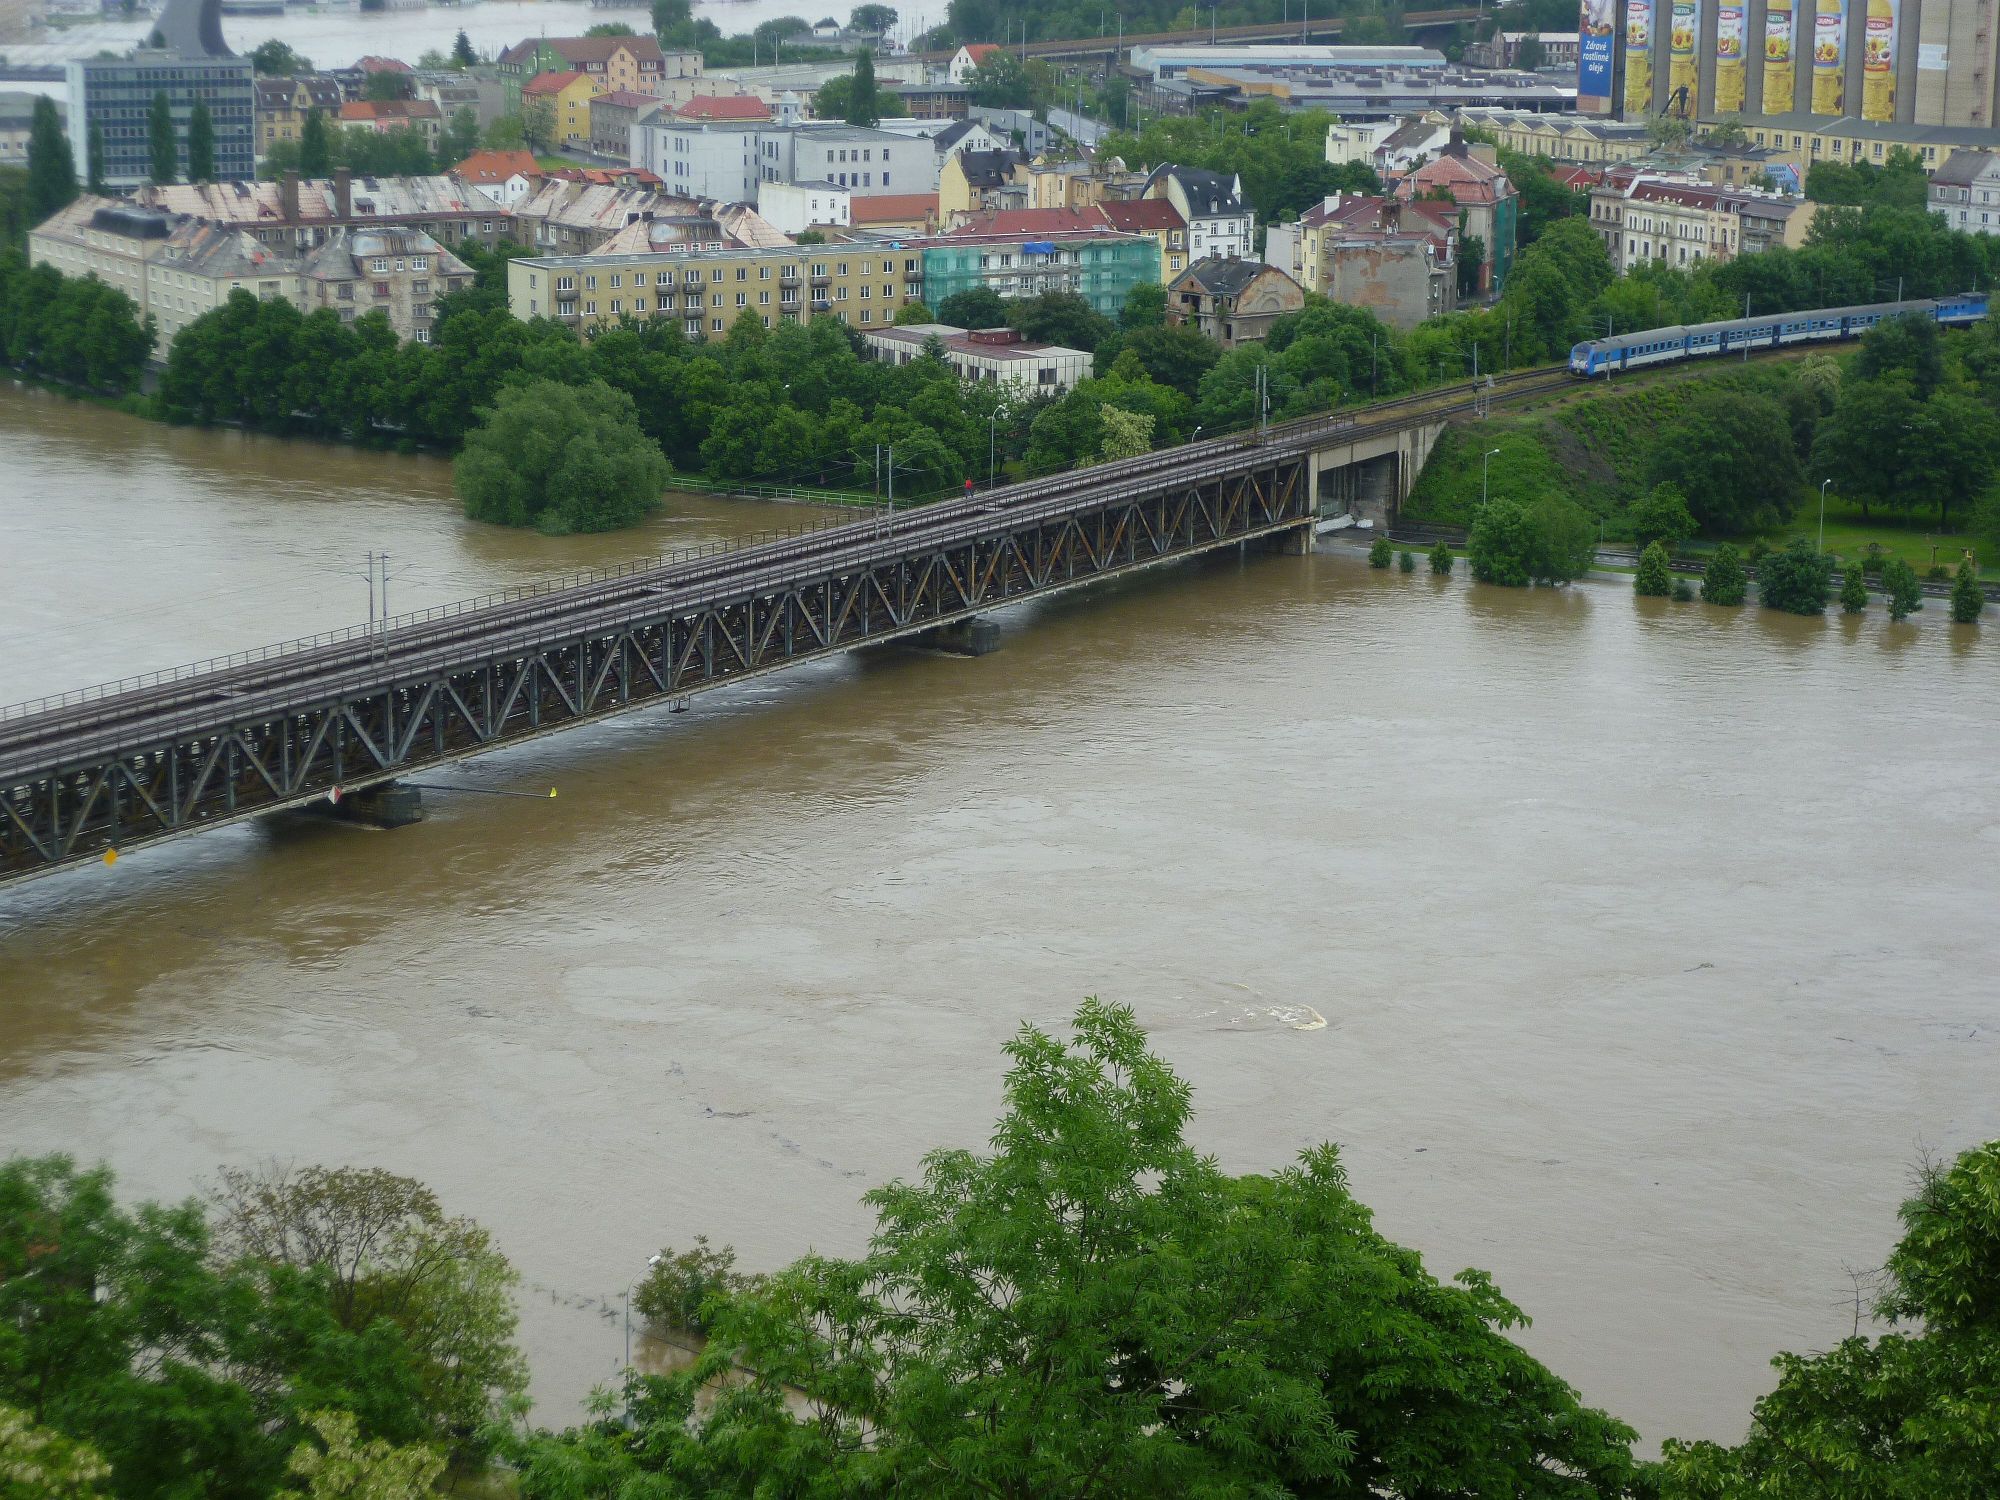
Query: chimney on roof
x=288, y=199
x=343, y=193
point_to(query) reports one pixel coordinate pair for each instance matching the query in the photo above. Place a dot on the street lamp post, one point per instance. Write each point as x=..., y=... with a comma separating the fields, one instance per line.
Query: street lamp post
x=1485, y=462
x=989, y=446
x=1822, y=513
x=651, y=1262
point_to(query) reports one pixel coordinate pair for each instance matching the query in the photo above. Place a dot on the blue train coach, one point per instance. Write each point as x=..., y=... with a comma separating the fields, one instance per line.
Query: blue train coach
x=1660, y=346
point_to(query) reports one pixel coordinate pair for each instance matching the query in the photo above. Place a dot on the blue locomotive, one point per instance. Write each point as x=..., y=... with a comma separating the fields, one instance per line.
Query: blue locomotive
x=1659, y=346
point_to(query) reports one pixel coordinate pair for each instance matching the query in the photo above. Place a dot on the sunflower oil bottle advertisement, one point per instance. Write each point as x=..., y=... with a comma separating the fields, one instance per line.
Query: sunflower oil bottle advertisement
x=1781, y=42
x=1683, y=77
x=1731, y=68
x=1829, y=57
x=1878, y=61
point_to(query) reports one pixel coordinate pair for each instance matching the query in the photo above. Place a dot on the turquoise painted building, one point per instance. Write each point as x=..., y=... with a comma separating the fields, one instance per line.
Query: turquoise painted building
x=1101, y=268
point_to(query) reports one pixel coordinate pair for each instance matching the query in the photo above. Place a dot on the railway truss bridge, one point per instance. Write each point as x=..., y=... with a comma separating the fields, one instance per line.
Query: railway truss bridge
x=338, y=718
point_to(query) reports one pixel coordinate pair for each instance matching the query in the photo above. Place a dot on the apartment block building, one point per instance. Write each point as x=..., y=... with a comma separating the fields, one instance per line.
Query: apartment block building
x=726, y=159
x=1643, y=219
x=114, y=97
x=999, y=356
x=705, y=291
x=176, y=267
x=309, y=211
x=284, y=103
x=1099, y=265
x=1966, y=190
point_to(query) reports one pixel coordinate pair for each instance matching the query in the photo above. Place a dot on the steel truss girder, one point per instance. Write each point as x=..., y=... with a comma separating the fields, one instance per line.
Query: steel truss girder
x=235, y=768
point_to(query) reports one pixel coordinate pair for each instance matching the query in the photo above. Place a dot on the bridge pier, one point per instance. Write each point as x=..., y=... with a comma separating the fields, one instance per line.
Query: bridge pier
x=972, y=636
x=386, y=804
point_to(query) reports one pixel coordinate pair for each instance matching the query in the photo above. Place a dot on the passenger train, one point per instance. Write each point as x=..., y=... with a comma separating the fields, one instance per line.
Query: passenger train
x=1660, y=346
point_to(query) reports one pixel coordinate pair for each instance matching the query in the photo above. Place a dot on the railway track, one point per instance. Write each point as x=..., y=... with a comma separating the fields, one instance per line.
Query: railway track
x=80, y=722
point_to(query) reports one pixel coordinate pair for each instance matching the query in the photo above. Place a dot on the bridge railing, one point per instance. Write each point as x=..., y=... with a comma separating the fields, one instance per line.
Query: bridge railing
x=1351, y=421
x=346, y=635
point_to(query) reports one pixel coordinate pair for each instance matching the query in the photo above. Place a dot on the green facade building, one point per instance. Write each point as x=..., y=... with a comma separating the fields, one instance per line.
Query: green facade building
x=1101, y=268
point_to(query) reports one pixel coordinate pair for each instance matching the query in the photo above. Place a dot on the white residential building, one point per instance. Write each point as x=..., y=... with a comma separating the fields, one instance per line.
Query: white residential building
x=1219, y=221
x=995, y=355
x=1966, y=190
x=726, y=160
x=795, y=207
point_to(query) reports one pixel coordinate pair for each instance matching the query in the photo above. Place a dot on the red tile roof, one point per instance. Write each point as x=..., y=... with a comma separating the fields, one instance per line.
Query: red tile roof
x=721, y=107
x=889, y=208
x=390, y=109
x=1143, y=215
x=980, y=51
x=1031, y=221
x=384, y=65
x=550, y=83
x=497, y=166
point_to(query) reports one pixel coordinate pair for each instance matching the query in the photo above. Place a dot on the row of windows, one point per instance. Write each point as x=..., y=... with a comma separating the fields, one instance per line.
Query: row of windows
x=693, y=325
x=720, y=273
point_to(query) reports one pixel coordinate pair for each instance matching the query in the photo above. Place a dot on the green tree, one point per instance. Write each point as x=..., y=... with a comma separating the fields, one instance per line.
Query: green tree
x=1654, y=578
x=385, y=86
x=1725, y=582
x=1853, y=591
x=1910, y=1414
x=1529, y=54
x=861, y=106
x=1732, y=457
x=315, y=151
x=1796, y=580
x=462, y=55
x=610, y=28
x=1661, y=515
x=1406, y=561
x=164, y=141
x=1095, y=1308
x=38, y=1464
x=979, y=307
x=1968, y=599
x=1059, y=318
x=561, y=459
x=1145, y=307
x=274, y=59
x=51, y=170
x=1548, y=541
x=1381, y=552
x=912, y=313
x=871, y=20
x=1901, y=587
x=389, y=1252
x=341, y=1466
x=1127, y=434
x=201, y=143
x=1441, y=558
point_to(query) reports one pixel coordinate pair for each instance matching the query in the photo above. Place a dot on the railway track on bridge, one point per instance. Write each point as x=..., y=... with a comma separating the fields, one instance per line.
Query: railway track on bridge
x=148, y=758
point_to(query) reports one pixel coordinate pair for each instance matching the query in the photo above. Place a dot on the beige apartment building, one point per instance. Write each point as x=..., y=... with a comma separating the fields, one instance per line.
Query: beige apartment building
x=1642, y=219
x=175, y=268
x=705, y=291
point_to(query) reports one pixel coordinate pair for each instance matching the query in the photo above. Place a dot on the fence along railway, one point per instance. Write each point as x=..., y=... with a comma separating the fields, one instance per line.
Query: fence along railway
x=148, y=759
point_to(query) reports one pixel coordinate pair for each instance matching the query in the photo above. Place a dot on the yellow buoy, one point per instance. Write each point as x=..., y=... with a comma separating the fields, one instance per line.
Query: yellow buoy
x=111, y=856
x=552, y=791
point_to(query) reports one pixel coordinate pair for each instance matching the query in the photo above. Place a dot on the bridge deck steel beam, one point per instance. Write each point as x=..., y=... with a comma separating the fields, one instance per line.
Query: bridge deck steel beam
x=280, y=737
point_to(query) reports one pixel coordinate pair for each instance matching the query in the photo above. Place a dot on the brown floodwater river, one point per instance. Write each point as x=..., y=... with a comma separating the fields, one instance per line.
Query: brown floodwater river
x=1629, y=950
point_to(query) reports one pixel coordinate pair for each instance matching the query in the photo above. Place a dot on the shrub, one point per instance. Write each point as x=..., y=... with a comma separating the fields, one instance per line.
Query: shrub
x=1406, y=560
x=1938, y=573
x=1758, y=552
x=1871, y=565
x=1381, y=554
x=1854, y=593
x=1653, y=581
x=1514, y=545
x=1661, y=516
x=1441, y=559
x=1968, y=599
x=681, y=1287
x=560, y=458
x=1796, y=580
x=1902, y=588
x=1683, y=591
x=1725, y=582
